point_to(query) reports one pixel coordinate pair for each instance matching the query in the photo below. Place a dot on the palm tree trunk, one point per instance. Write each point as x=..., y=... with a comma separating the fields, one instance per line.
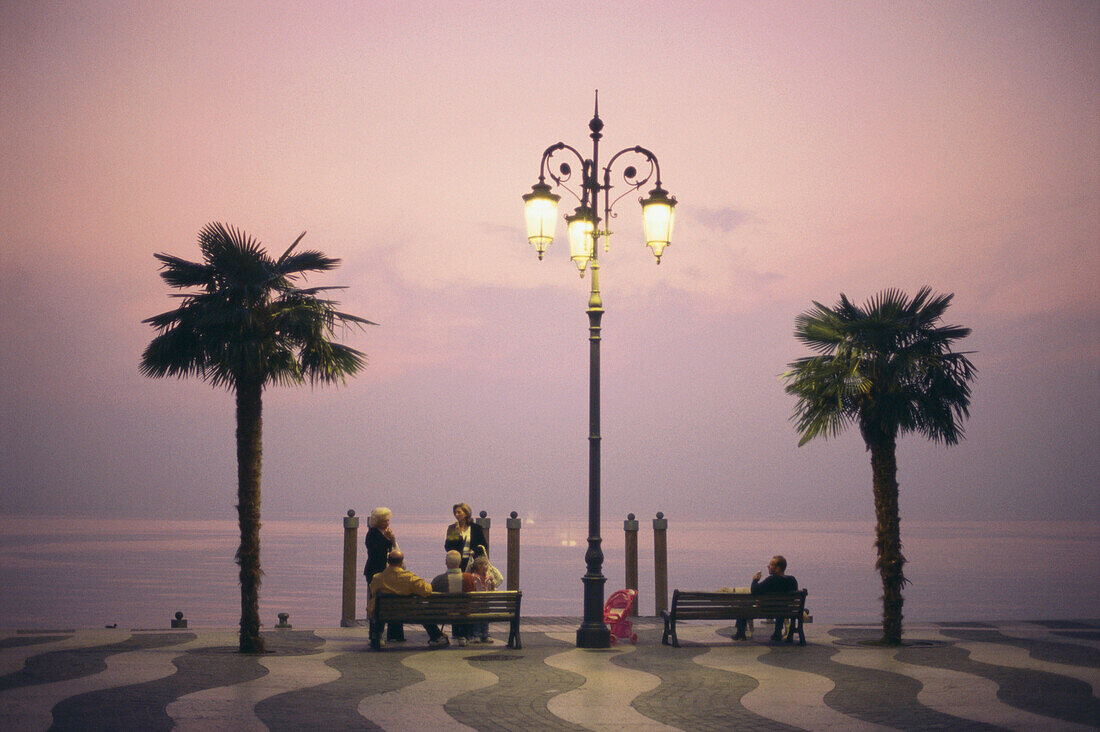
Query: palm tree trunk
x=888, y=536
x=249, y=462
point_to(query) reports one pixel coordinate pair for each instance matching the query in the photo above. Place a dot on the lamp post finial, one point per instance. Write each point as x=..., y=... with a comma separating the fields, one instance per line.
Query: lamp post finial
x=596, y=124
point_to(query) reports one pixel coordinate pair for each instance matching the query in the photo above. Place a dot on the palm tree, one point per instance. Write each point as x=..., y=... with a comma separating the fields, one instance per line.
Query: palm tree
x=889, y=366
x=244, y=324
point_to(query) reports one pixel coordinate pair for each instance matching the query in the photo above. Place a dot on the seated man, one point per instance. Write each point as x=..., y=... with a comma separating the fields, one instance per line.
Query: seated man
x=452, y=581
x=396, y=580
x=776, y=582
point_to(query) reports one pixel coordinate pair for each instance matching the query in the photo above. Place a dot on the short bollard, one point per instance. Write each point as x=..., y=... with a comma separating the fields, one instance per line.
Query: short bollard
x=283, y=618
x=351, y=544
x=630, y=526
x=483, y=521
x=660, y=562
x=179, y=621
x=513, y=523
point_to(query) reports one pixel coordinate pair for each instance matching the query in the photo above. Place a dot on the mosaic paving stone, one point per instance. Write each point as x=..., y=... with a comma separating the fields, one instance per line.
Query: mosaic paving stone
x=335, y=705
x=1024, y=679
x=693, y=696
x=63, y=665
x=525, y=685
x=16, y=641
x=876, y=696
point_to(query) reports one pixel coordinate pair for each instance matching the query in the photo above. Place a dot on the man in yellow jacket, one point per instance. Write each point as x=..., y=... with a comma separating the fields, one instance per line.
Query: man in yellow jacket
x=396, y=580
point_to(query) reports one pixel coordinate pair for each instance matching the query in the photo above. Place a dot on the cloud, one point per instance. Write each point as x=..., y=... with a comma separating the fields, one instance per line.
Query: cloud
x=510, y=233
x=724, y=220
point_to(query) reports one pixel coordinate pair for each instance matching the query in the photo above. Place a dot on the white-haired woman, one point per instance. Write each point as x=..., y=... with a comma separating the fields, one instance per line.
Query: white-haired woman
x=380, y=542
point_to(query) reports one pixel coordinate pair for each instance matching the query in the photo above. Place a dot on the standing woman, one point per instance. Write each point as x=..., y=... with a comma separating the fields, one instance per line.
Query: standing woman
x=464, y=535
x=380, y=542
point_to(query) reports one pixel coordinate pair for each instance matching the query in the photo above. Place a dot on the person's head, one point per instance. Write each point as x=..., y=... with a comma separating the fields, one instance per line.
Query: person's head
x=481, y=564
x=777, y=565
x=380, y=517
x=395, y=558
x=454, y=560
x=462, y=513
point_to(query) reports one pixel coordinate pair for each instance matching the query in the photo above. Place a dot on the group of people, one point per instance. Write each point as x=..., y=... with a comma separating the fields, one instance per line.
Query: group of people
x=467, y=570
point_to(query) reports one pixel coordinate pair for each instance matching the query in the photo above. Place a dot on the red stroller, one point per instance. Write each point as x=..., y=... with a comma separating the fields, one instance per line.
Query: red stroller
x=616, y=613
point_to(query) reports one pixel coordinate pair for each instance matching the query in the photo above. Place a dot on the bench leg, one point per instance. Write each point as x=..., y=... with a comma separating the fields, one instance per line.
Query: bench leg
x=513, y=635
x=670, y=630
x=796, y=627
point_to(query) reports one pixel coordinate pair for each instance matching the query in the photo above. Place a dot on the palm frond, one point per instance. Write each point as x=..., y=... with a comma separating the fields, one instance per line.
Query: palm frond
x=329, y=362
x=174, y=353
x=888, y=304
x=886, y=364
x=307, y=261
x=180, y=273
x=164, y=320
x=349, y=319
x=289, y=249
x=309, y=291
x=819, y=328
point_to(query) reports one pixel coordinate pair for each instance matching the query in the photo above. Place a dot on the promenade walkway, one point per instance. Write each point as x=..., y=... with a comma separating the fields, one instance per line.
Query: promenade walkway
x=1026, y=676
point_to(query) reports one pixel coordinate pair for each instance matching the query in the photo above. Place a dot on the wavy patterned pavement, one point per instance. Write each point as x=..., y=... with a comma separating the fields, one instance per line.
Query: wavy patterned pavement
x=1039, y=675
x=604, y=700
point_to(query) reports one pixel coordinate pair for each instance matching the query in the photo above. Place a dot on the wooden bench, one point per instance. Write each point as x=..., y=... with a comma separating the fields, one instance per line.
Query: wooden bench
x=735, y=606
x=441, y=608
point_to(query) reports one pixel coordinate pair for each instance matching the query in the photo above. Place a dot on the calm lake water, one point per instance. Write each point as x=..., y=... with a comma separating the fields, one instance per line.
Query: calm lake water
x=138, y=573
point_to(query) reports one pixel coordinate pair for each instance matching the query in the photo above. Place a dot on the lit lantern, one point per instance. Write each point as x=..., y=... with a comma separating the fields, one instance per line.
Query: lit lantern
x=581, y=225
x=541, y=209
x=657, y=220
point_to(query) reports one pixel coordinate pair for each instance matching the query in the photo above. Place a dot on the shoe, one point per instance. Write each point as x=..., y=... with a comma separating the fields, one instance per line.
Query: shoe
x=440, y=642
x=740, y=636
x=461, y=642
x=395, y=640
x=776, y=638
x=487, y=639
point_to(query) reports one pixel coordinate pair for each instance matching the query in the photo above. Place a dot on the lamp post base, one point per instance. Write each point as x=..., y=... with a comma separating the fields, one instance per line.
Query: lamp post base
x=594, y=637
x=593, y=632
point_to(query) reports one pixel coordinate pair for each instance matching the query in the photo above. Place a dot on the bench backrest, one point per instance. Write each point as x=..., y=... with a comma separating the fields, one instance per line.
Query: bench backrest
x=476, y=606
x=723, y=605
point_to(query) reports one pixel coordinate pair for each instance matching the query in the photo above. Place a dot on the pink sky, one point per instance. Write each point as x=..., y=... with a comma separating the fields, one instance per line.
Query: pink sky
x=814, y=148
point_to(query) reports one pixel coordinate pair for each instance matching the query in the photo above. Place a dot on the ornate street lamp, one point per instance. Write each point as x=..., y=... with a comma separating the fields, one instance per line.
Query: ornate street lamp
x=541, y=207
x=584, y=231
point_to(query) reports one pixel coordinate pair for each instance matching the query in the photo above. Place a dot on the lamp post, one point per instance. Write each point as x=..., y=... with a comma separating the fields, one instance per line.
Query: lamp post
x=584, y=230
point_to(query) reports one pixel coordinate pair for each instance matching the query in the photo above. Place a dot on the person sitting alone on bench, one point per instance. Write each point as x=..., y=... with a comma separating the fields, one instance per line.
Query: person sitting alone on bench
x=775, y=583
x=396, y=580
